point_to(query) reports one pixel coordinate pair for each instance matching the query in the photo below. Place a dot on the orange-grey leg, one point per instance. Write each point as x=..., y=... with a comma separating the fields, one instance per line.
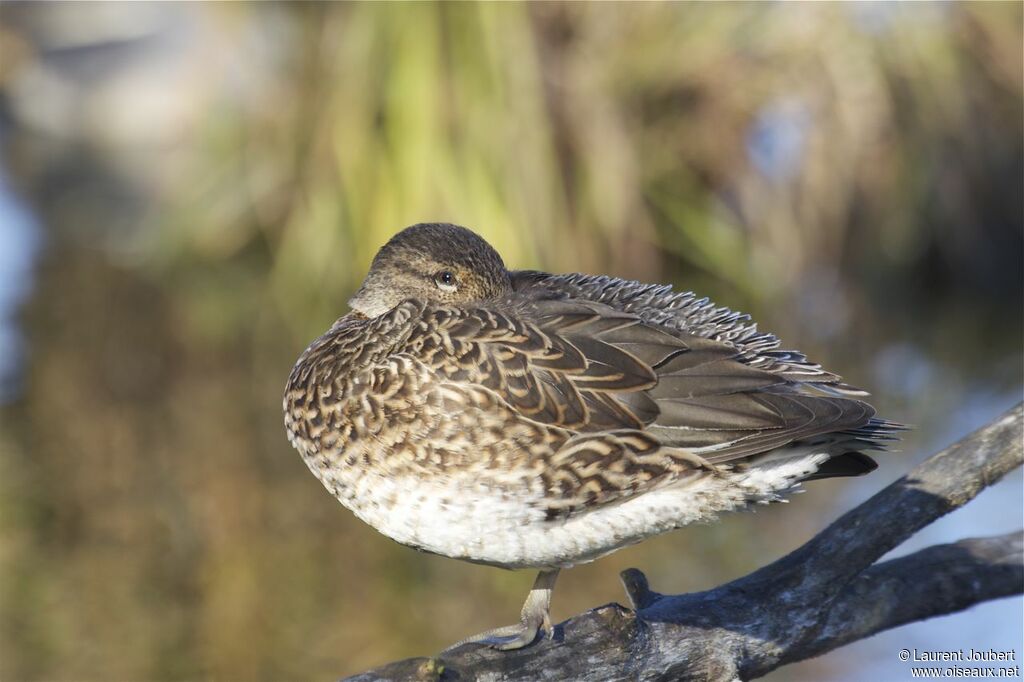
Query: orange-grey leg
x=534, y=617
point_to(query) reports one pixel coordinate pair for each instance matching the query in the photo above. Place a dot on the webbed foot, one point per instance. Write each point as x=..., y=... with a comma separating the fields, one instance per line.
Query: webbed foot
x=535, y=618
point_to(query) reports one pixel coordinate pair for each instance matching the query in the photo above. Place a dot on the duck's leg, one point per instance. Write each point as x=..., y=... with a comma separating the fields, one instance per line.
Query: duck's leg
x=535, y=616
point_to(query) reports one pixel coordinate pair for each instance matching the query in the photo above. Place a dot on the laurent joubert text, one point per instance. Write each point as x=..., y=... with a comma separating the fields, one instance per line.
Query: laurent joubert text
x=969, y=656
x=958, y=655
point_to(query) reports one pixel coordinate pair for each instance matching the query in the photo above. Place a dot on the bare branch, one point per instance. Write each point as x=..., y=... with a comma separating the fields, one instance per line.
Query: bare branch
x=942, y=483
x=932, y=582
x=825, y=594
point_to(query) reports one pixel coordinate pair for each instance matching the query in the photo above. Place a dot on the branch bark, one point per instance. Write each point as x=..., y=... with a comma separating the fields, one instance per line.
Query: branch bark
x=827, y=593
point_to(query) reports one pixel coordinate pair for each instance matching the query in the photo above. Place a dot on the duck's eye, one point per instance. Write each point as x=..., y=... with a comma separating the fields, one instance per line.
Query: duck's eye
x=446, y=281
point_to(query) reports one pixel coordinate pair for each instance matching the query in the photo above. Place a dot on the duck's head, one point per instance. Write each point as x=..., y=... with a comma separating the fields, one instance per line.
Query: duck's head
x=435, y=262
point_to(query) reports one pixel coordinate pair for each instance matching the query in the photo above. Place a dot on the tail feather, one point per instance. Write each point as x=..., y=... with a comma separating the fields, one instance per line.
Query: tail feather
x=847, y=464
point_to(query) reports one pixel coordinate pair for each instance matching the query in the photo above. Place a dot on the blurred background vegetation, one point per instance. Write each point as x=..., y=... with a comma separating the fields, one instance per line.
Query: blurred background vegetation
x=190, y=192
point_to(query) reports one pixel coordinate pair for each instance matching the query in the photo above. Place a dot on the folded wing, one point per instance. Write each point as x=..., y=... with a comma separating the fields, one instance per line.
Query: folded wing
x=649, y=385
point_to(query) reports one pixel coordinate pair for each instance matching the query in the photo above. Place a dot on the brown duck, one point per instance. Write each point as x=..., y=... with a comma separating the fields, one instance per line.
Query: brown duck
x=528, y=420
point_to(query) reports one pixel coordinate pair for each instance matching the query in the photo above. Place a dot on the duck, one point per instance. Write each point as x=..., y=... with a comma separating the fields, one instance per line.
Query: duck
x=528, y=420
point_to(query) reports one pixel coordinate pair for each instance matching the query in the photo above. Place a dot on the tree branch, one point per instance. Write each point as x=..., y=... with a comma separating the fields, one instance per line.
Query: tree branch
x=934, y=581
x=827, y=593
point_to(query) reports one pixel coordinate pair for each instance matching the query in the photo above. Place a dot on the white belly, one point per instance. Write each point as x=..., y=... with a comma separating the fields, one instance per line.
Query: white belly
x=459, y=518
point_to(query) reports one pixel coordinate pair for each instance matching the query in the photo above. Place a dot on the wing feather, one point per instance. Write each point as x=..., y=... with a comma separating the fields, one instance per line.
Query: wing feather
x=648, y=385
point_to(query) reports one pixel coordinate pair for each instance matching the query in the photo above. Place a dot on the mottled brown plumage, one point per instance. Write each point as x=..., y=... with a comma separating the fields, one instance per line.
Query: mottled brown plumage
x=526, y=419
